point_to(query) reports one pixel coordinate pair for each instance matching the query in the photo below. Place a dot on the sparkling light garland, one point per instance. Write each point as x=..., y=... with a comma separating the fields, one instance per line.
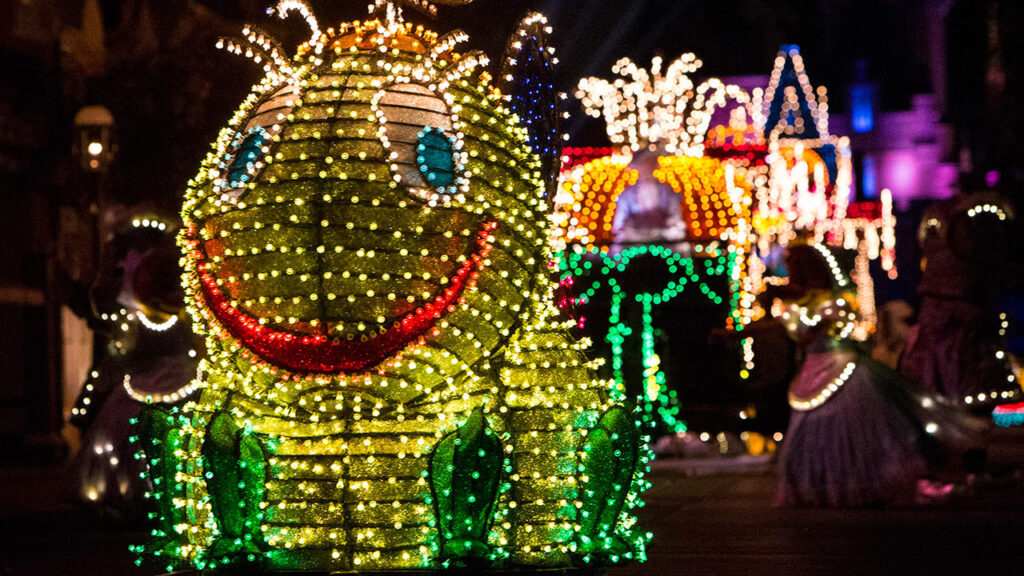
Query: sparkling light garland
x=160, y=397
x=805, y=404
x=748, y=357
x=788, y=174
x=733, y=187
x=785, y=113
x=714, y=196
x=123, y=326
x=667, y=110
x=585, y=206
x=1001, y=394
x=156, y=326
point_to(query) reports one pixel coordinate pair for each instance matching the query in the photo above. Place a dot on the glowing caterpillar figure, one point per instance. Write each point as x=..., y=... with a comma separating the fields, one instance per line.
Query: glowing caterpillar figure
x=389, y=386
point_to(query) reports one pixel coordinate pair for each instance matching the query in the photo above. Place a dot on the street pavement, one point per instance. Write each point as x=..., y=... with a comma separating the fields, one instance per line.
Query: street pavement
x=706, y=519
x=724, y=525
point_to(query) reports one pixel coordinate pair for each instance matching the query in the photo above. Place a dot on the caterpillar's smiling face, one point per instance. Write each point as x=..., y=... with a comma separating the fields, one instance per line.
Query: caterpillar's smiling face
x=378, y=194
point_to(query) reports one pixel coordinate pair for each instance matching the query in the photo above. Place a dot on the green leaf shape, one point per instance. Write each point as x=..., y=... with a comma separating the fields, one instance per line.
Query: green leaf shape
x=465, y=474
x=611, y=453
x=160, y=436
x=236, y=480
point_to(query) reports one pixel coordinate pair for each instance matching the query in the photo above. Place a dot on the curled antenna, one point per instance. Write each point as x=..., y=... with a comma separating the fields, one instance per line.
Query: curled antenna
x=444, y=45
x=261, y=48
x=465, y=65
x=285, y=7
x=449, y=70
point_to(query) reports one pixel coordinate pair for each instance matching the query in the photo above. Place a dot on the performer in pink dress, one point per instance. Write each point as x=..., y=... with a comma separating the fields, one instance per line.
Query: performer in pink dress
x=858, y=435
x=152, y=358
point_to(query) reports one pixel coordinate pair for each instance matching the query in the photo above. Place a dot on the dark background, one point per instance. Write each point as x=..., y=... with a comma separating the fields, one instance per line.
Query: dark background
x=170, y=91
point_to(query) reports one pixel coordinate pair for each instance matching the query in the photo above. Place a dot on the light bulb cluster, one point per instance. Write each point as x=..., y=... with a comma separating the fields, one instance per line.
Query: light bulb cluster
x=843, y=312
x=166, y=324
x=747, y=344
x=870, y=228
x=1009, y=414
x=1001, y=394
x=573, y=156
x=720, y=443
x=992, y=396
x=137, y=347
x=84, y=403
x=839, y=314
x=528, y=83
x=786, y=112
x=711, y=204
x=149, y=223
x=389, y=385
x=739, y=139
x=393, y=8
x=123, y=326
x=171, y=397
x=838, y=277
x=810, y=179
x=585, y=205
x=797, y=198
x=285, y=7
x=657, y=109
x=998, y=211
x=787, y=175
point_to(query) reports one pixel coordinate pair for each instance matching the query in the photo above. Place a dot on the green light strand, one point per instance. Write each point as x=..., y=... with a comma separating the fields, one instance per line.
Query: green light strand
x=659, y=403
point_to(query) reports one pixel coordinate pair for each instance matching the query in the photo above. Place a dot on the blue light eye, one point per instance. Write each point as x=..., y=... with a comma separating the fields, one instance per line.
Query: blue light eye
x=435, y=156
x=245, y=157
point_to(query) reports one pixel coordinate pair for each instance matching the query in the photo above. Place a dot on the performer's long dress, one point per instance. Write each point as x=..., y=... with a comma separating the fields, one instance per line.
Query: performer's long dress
x=870, y=439
x=957, y=353
x=958, y=350
x=104, y=472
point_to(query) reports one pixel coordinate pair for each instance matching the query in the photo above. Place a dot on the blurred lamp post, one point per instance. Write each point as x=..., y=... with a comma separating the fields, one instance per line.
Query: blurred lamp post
x=94, y=146
x=94, y=138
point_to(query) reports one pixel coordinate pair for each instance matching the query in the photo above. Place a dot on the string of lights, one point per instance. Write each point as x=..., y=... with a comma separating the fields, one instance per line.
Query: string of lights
x=772, y=174
x=805, y=404
x=388, y=384
x=593, y=270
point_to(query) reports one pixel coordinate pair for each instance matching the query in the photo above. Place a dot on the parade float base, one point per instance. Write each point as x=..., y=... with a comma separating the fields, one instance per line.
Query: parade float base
x=1009, y=414
x=466, y=571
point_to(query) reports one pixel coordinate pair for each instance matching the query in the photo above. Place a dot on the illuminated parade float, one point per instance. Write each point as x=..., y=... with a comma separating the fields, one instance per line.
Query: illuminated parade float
x=389, y=384
x=386, y=252
x=716, y=182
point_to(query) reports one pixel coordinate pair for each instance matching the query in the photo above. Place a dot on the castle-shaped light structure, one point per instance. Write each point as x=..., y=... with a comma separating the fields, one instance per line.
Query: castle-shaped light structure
x=810, y=188
x=772, y=173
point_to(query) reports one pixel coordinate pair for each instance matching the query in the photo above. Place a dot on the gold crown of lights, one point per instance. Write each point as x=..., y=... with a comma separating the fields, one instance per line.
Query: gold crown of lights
x=658, y=108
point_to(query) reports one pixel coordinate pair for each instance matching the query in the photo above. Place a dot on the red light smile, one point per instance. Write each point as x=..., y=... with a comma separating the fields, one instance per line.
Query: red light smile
x=318, y=353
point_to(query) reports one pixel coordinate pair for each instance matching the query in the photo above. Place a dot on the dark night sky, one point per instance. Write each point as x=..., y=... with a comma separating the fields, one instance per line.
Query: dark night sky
x=734, y=37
